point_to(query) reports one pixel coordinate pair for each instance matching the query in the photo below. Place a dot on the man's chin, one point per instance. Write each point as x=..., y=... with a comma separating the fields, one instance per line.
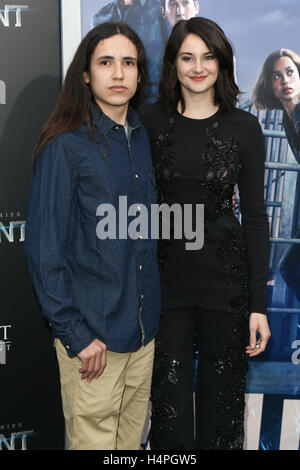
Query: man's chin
x=179, y=18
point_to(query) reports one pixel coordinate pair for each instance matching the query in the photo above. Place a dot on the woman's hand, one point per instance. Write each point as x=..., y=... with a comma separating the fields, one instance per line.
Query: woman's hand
x=258, y=323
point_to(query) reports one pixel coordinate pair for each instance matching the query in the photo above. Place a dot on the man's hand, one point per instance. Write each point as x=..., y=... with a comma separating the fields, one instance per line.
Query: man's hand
x=93, y=359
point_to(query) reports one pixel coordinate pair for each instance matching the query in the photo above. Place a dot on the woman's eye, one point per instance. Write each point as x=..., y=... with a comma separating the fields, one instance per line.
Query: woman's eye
x=290, y=72
x=129, y=62
x=209, y=57
x=104, y=62
x=186, y=58
x=276, y=76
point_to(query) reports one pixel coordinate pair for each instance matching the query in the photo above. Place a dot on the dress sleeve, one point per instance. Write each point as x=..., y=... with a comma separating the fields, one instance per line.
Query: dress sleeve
x=254, y=218
x=50, y=209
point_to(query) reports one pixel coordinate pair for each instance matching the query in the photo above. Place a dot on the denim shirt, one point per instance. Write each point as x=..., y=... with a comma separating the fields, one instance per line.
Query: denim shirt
x=145, y=18
x=293, y=131
x=89, y=287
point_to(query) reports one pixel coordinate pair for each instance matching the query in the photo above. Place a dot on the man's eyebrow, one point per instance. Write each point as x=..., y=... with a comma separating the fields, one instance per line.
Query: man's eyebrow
x=105, y=57
x=112, y=57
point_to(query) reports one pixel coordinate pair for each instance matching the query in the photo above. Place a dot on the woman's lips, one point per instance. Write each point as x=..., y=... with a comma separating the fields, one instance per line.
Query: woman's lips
x=286, y=91
x=117, y=88
x=198, y=79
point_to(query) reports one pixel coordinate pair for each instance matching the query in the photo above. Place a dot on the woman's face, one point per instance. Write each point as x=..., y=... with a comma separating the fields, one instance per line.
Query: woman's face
x=286, y=80
x=197, y=68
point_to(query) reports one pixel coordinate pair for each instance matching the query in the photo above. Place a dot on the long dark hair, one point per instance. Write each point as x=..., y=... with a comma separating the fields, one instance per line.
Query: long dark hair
x=226, y=90
x=73, y=107
x=263, y=94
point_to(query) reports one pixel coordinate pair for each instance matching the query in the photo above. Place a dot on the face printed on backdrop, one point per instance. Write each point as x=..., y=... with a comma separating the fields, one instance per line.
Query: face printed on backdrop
x=286, y=80
x=176, y=10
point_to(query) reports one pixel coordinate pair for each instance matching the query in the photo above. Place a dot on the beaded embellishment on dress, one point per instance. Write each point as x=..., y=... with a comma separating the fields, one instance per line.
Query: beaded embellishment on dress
x=163, y=411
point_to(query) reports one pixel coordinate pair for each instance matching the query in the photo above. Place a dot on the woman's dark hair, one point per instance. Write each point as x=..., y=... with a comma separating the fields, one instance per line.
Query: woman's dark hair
x=73, y=105
x=226, y=90
x=263, y=95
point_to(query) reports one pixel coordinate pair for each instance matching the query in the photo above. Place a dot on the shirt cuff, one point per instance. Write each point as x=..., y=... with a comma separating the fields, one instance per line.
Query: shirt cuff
x=75, y=341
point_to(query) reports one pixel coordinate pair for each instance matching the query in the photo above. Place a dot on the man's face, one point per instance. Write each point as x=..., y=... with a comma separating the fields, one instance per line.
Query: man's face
x=113, y=74
x=176, y=10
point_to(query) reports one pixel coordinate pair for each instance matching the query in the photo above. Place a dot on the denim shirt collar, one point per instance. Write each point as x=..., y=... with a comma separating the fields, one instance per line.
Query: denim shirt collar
x=105, y=124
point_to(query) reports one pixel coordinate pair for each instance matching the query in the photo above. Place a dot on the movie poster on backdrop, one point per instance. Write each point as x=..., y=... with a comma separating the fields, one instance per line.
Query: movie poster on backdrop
x=270, y=85
x=30, y=410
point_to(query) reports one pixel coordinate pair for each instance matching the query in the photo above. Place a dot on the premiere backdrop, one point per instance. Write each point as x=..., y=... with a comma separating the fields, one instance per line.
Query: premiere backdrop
x=255, y=29
x=30, y=78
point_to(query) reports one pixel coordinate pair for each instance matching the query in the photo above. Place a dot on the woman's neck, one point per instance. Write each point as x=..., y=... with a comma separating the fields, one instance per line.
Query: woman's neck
x=198, y=106
x=289, y=107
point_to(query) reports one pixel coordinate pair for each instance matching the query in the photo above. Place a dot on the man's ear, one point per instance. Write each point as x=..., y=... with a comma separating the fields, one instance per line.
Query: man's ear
x=163, y=12
x=86, y=77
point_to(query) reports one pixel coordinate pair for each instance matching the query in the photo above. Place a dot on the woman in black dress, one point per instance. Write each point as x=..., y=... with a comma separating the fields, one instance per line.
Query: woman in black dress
x=202, y=146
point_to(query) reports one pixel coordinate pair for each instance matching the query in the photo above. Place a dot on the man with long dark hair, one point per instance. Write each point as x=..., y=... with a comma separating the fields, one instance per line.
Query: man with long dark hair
x=100, y=293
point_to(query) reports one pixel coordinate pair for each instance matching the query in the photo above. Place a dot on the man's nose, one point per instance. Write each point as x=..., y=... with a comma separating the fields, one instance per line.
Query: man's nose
x=118, y=72
x=180, y=10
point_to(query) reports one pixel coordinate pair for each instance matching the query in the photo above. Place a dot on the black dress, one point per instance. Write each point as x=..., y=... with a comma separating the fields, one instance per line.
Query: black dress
x=208, y=292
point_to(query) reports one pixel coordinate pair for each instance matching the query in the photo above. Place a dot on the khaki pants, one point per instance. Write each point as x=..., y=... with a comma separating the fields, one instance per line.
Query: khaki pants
x=110, y=412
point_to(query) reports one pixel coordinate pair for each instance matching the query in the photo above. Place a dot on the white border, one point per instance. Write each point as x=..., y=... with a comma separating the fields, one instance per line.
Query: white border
x=70, y=31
